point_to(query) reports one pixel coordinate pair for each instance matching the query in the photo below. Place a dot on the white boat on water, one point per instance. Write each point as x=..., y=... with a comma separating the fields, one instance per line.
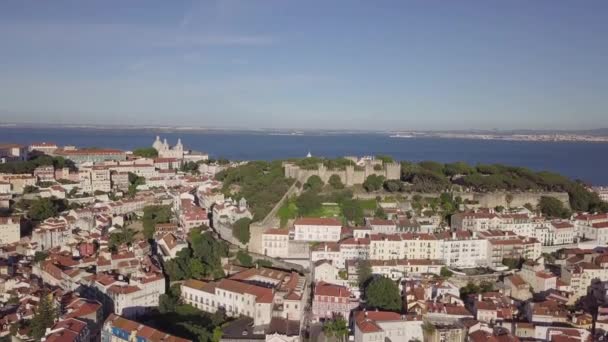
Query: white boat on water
x=401, y=136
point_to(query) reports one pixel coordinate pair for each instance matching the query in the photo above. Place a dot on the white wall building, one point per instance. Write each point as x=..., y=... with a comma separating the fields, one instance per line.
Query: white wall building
x=276, y=243
x=317, y=229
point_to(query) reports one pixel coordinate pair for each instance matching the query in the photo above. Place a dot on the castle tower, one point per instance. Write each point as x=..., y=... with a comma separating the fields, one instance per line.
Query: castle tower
x=165, y=144
x=392, y=170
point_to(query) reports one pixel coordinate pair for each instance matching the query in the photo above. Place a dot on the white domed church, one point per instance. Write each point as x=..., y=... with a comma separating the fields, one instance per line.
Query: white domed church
x=166, y=151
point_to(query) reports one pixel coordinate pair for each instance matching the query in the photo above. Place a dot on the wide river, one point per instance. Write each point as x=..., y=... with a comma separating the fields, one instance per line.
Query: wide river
x=578, y=160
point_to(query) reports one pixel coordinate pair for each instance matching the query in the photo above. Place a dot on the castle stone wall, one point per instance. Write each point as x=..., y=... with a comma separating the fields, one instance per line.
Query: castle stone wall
x=349, y=176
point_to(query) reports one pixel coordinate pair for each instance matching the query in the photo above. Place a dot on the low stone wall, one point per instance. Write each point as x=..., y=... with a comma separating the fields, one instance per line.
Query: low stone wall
x=225, y=232
x=463, y=280
x=487, y=200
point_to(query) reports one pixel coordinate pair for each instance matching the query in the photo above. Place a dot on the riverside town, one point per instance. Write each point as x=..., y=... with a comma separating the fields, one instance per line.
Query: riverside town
x=165, y=244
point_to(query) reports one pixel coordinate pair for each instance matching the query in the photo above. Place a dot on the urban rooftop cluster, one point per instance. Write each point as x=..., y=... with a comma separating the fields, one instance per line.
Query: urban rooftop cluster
x=164, y=244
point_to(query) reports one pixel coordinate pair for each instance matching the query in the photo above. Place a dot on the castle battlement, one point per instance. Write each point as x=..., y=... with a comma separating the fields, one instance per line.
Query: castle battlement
x=351, y=175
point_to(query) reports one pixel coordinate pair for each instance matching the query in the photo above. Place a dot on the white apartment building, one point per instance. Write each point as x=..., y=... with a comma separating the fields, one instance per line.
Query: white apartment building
x=10, y=229
x=580, y=276
x=139, y=296
x=317, y=229
x=276, y=243
x=476, y=221
x=463, y=249
x=353, y=249
x=327, y=251
x=404, y=246
x=594, y=231
x=512, y=248
x=564, y=232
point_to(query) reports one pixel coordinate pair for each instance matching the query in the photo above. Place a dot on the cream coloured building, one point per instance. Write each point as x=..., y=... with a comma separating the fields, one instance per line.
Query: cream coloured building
x=276, y=243
x=282, y=295
x=10, y=229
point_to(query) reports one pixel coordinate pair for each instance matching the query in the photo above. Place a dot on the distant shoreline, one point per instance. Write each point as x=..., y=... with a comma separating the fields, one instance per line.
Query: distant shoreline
x=587, y=136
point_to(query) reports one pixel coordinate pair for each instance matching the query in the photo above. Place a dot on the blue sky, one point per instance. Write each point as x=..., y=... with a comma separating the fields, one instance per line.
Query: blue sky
x=306, y=64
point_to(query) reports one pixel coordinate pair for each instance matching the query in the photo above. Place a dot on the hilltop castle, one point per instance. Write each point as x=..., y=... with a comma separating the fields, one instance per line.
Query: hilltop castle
x=165, y=151
x=350, y=175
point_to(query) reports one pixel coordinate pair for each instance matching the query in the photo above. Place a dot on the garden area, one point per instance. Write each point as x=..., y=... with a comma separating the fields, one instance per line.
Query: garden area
x=326, y=200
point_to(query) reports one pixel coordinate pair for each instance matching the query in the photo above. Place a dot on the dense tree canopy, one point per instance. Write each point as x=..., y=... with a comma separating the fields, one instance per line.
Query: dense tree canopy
x=383, y=293
x=35, y=161
x=44, y=317
x=154, y=214
x=385, y=159
x=364, y=273
x=261, y=183
x=472, y=288
x=42, y=208
x=457, y=168
x=553, y=208
x=146, y=152
x=373, y=183
x=308, y=202
x=392, y=185
x=122, y=236
x=202, y=259
x=431, y=176
x=240, y=230
x=189, y=167
x=314, y=183
x=352, y=211
x=244, y=259
x=335, y=182
x=184, y=320
x=336, y=329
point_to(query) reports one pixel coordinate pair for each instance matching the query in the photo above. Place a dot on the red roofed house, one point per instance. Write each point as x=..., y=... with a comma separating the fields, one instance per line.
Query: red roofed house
x=260, y=293
x=330, y=300
x=117, y=328
x=373, y=326
x=317, y=229
x=69, y=330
